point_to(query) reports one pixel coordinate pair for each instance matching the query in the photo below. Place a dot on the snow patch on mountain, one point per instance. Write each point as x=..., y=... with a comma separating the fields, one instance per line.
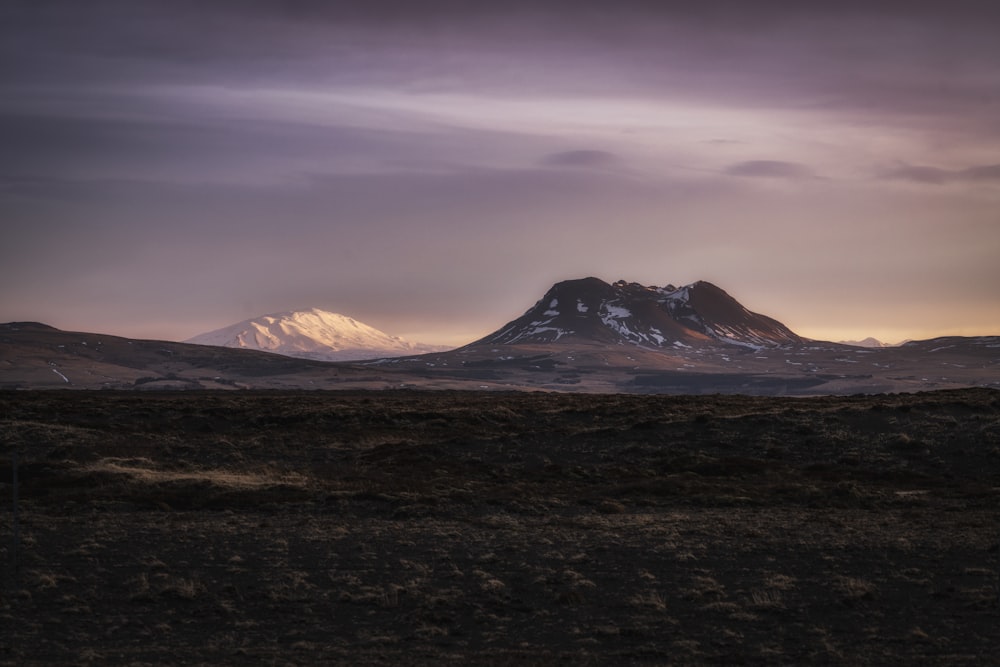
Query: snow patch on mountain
x=612, y=312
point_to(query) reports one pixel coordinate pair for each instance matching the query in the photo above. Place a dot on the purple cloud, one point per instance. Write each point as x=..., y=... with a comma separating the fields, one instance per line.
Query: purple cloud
x=985, y=173
x=591, y=159
x=328, y=153
x=770, y=169
x=939, y=176
x=919, y=174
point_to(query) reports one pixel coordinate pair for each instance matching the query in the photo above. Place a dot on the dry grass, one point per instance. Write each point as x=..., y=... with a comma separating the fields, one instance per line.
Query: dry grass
x=144, y=472
x=500, y=529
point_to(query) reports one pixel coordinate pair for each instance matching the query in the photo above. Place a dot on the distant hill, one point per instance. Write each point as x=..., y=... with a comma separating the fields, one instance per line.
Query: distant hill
x=37, y=356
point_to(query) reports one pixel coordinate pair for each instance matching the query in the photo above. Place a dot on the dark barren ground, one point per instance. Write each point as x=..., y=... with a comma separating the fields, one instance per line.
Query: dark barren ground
x=499, y=529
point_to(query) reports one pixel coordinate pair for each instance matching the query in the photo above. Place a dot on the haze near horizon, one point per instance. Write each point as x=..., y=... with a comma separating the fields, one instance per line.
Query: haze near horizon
x=170, y=168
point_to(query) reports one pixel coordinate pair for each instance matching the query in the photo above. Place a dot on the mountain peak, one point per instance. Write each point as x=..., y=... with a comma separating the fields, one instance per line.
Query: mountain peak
x=312, y=333
x=589, y=309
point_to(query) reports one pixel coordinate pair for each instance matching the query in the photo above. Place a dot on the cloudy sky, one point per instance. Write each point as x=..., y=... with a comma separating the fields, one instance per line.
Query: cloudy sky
x=170, y=167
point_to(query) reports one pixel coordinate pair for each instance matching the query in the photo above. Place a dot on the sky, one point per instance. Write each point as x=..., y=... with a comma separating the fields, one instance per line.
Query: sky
x=431, y=169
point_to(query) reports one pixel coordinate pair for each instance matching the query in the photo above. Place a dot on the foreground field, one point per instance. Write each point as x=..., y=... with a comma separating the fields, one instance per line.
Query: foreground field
x=486, y=528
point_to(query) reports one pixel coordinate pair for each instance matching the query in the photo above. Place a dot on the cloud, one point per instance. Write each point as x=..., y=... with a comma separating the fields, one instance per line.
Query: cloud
x=851, y=58
x=589, y=159
x=918, y=174
x=309, y=152
x=174, y=147
x=939, y=176
x=985, y=173
x=770, y=169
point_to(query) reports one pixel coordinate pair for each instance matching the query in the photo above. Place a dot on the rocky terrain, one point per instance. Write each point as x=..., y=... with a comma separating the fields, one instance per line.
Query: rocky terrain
x=383, y=528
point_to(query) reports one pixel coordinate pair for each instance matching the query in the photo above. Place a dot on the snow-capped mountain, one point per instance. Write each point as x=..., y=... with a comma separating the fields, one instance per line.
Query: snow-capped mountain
x=313, y=334
x=657, y=317
x=867, y=342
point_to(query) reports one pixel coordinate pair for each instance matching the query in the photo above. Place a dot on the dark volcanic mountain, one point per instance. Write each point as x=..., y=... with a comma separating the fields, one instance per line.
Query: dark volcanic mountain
x=657, y=317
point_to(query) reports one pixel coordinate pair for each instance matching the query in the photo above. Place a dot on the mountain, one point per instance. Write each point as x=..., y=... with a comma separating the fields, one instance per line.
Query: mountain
x=867, y=342
x=583, y=336
x=312, y=334
x=625, y=313
x=590, y=336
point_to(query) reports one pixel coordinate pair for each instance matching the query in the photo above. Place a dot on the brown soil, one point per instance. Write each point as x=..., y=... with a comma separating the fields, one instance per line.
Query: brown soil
x=489, y=528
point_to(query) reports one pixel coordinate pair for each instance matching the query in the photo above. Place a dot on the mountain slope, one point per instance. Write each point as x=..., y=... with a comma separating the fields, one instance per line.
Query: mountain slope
x=312, y=334
x=590, y=309
x=37, y=356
